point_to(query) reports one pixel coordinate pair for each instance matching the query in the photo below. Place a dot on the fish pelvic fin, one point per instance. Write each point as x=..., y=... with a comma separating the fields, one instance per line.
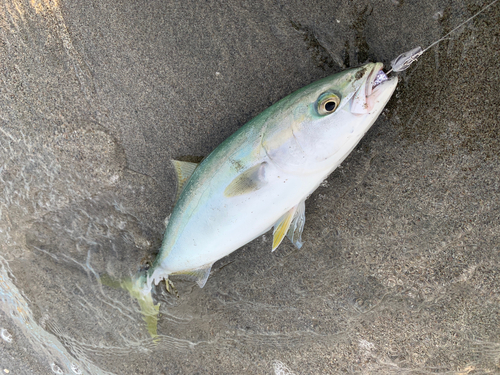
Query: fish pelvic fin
x=294, y=232
x=291, y=225
x=281, y=227
x=139, y=287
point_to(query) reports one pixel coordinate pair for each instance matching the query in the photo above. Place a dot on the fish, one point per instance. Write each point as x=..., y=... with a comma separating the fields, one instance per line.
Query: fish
x=260, y=177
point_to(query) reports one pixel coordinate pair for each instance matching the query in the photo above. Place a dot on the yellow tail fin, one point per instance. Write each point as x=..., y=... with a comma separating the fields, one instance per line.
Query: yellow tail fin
x=137, y=288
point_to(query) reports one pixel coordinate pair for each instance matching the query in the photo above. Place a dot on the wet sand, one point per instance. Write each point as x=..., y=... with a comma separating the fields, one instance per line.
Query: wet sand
x=399, y=272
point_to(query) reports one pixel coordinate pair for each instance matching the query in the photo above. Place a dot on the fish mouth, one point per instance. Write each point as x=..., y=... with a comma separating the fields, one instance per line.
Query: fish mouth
x=373, y=91
x=376, y=77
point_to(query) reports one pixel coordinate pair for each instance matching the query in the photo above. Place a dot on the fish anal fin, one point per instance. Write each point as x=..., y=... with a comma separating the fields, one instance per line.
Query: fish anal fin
x=251, y=180
x=281, y=227
x=184, y=170
x=294, y=232
x=199, y=275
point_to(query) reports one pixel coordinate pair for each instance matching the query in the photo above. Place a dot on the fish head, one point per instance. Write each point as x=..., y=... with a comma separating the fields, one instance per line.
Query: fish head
x=316, y=127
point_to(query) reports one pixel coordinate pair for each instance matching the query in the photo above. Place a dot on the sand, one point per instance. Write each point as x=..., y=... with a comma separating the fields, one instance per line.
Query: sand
x=400, y=270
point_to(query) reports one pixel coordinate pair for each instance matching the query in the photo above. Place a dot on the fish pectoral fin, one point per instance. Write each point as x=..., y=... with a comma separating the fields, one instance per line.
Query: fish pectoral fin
x=184, y=170
x=294, y=232
x=251, y=180
x=199, y=275
x=281, y=227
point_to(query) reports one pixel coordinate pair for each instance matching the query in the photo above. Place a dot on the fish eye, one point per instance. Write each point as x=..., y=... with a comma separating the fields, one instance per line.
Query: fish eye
x=328, y=103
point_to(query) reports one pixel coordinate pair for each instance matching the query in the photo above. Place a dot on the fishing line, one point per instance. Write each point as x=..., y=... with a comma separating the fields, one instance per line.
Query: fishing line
x=403, y=61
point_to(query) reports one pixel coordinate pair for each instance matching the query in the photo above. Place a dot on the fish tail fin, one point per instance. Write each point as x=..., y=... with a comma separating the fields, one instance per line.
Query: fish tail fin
x=139, y=287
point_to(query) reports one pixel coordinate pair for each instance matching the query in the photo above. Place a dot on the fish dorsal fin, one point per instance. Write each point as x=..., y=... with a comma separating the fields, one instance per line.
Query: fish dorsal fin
x=294, y=232
x=251, y=180
x=281, y=227
x=199, y=275
x=184, y=171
